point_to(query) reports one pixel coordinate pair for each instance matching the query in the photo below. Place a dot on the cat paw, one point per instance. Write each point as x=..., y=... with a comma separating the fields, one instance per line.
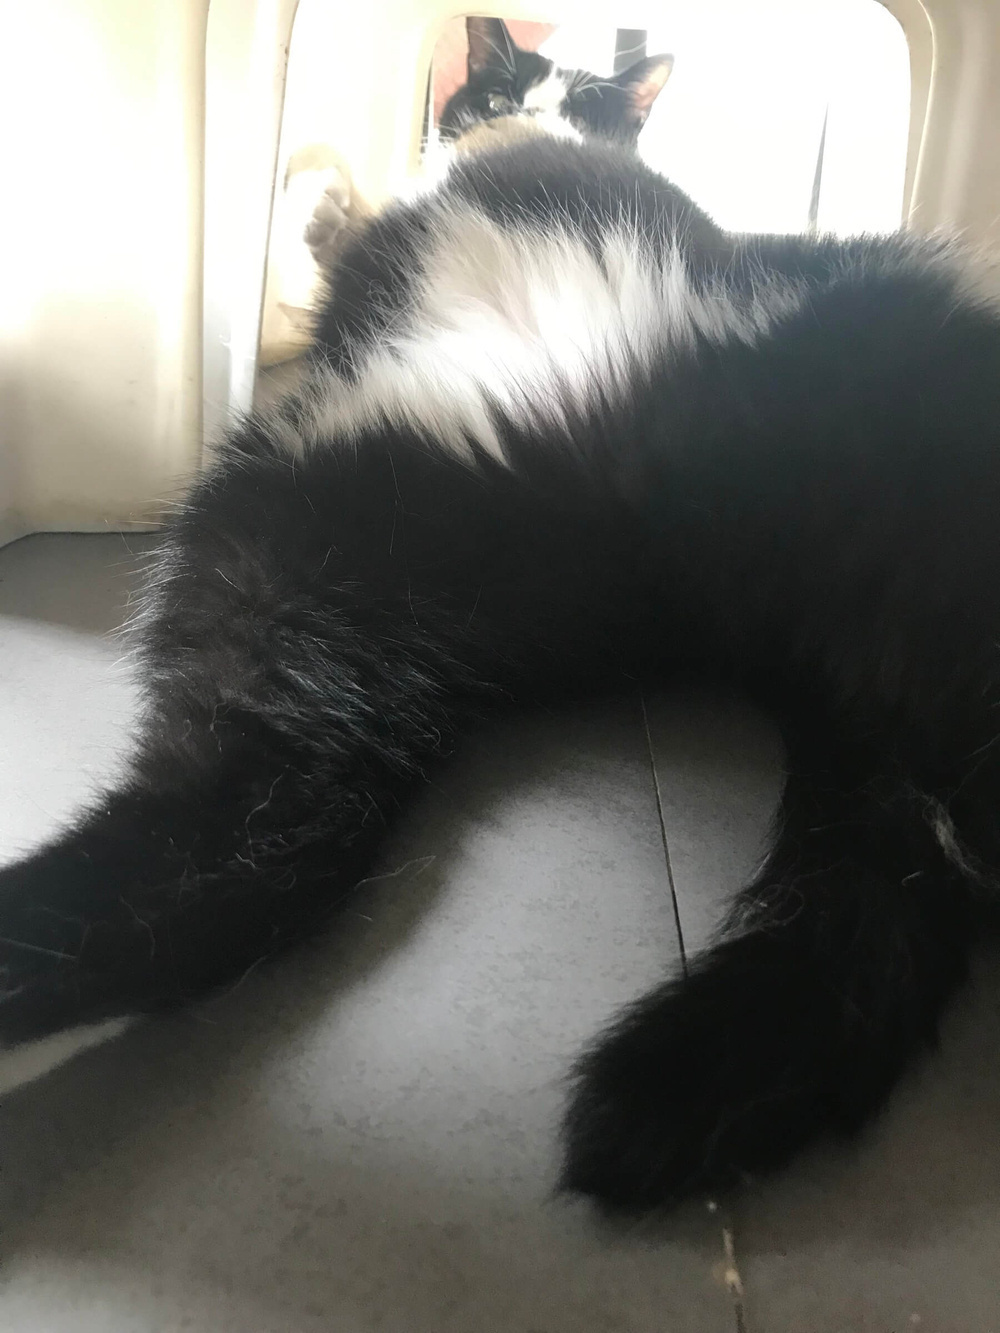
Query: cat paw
x=325, y=231
x=318, y=201
x=701, y=1086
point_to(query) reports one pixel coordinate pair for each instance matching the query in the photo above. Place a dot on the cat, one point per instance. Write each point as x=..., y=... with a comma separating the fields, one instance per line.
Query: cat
x=503, y=80
x=562, y=432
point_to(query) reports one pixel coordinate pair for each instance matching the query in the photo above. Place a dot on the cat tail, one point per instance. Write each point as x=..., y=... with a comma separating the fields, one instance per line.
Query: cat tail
x=830, y=976
x=289, y=704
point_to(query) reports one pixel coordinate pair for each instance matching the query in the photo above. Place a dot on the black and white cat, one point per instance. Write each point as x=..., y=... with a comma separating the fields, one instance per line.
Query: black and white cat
x=505, y=81
x=560, y=429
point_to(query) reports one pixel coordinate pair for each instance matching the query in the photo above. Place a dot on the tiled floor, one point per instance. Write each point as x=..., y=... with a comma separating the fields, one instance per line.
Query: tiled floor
x=362, y=1138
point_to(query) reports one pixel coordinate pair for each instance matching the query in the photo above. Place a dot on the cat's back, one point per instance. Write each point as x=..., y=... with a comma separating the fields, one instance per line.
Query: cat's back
x=550, y=291
x=593, y=188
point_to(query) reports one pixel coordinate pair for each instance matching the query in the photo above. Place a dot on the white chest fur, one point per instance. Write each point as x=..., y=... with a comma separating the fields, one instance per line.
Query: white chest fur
x=529, y=324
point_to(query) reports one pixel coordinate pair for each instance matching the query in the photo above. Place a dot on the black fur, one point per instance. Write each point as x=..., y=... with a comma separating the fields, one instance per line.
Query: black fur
x=812, y=514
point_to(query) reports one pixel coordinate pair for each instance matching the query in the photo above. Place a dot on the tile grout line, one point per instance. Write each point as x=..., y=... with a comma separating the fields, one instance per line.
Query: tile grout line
x=731, y=1275
x=663, y=832
x=729, y=1270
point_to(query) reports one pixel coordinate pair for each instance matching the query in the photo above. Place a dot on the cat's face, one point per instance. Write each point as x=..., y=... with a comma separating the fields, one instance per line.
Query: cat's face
x=506, y=81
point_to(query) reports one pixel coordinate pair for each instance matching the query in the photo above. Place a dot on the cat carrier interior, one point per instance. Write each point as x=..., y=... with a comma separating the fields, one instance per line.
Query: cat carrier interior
x=364, y=1140
x=136, y=259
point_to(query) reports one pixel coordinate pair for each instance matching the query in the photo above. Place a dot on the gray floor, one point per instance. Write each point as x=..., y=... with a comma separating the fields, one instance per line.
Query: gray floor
x=363, y=1138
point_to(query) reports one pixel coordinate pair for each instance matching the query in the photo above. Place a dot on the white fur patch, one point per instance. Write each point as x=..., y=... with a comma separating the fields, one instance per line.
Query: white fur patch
x=543, y=102
x=947, y=839
x=30, y=1060
x=532, y=324
x=547, y=96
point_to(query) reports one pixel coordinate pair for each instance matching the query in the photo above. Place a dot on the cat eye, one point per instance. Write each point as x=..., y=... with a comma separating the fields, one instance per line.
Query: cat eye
x=499, y=104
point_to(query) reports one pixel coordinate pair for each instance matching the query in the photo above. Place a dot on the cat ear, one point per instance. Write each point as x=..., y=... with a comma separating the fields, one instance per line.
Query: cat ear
x=643, y=82
x=490, y=46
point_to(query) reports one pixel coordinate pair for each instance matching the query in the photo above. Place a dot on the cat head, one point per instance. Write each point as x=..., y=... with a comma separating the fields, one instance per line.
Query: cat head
x=503, y=80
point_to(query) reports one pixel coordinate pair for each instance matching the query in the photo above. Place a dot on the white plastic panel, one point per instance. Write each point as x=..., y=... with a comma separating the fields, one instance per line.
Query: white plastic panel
x=100, y=313
x=957, y=181
x=246, y=55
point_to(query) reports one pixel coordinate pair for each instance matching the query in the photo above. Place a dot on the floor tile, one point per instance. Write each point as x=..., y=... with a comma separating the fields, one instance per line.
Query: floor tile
x=66, y=694
x=718, y=767
x=364, y=1135
x=899, y=1231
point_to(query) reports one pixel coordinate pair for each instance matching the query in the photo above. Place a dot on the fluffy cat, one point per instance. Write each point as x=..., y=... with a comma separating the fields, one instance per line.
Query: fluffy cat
x=503, y=81
x=561, y=429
